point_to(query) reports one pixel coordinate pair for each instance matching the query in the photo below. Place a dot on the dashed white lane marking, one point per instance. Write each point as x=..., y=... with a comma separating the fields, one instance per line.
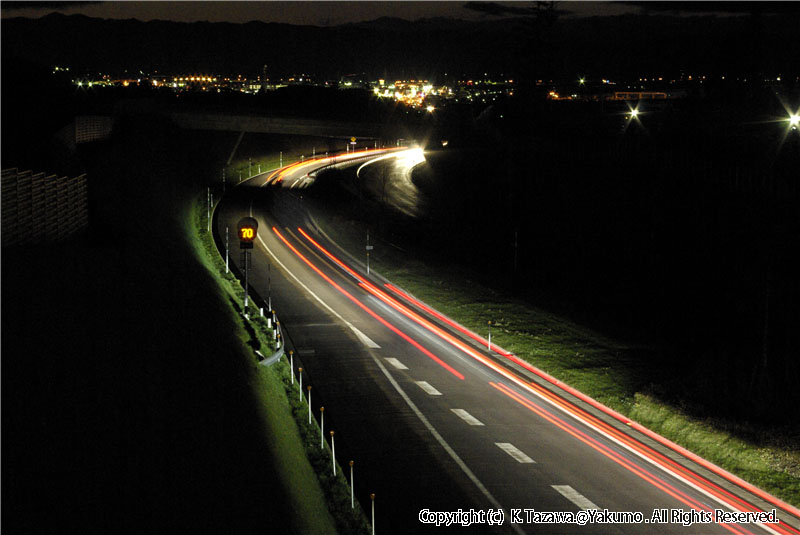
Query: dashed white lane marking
x=467, y=417
x=428, y=388
x=396, y=363
x=575, y=497
x=366, y=340
x=450, y=451
x=514, y=452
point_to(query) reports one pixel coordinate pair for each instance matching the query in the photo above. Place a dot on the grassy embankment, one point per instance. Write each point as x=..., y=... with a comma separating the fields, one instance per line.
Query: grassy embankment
x=282, y=410
x=300, y=439
x=612, y=372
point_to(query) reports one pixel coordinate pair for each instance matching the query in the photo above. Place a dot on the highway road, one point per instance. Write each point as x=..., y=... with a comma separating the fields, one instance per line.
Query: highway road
x=436, y=421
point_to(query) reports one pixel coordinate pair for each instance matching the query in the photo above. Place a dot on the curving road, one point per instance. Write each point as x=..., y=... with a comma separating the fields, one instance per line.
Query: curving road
x=436, y=421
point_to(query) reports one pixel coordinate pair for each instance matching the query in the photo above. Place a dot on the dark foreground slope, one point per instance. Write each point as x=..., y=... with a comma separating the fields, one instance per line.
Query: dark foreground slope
x=126, y=403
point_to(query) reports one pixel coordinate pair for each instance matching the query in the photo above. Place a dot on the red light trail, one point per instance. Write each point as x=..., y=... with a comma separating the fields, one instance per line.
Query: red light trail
x=643, y=450
x=366, y=309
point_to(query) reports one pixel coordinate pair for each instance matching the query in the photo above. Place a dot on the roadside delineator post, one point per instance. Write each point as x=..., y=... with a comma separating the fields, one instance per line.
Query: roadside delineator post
x=300, y=378
x=372, y=497
x=227, y=248
x=309, y=404
x=333, y=454
x=322, y=428
x=490, y=335
x=352, y=493
x=291, y=364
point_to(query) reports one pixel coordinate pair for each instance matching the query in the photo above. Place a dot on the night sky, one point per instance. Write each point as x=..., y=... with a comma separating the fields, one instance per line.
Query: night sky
x=299, y=13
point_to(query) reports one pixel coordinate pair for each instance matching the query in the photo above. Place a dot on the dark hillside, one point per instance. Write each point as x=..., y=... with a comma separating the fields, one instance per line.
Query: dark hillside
x=567, y=48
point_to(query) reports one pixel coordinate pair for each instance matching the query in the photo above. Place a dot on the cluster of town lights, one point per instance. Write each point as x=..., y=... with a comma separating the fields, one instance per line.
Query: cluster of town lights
x=195, y=79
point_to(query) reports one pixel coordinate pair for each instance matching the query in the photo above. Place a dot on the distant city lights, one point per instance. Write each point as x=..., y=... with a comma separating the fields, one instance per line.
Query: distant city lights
x=427, y=96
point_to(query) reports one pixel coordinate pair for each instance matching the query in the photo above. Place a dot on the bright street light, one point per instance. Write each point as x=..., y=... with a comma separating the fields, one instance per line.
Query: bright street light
x=794, y=121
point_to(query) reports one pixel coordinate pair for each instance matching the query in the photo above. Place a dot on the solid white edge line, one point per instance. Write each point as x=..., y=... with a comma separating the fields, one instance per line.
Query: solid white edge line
x=575, y=497
x=363, y=338
x=467, y=417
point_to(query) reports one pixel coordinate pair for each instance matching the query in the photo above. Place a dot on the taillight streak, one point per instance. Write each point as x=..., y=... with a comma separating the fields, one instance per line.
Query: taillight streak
x=721, y=494
x=366, y=309
x=445, y=319
x=608, y=452
x=279, y=174
x=644, y=451
x=663, y=441
x=392, y=302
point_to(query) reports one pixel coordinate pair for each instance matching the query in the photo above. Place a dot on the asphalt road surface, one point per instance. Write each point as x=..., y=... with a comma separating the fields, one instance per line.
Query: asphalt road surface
x=435, y=421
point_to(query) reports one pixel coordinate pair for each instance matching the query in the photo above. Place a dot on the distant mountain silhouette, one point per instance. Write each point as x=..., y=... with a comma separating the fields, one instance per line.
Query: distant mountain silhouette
x=596, y=46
